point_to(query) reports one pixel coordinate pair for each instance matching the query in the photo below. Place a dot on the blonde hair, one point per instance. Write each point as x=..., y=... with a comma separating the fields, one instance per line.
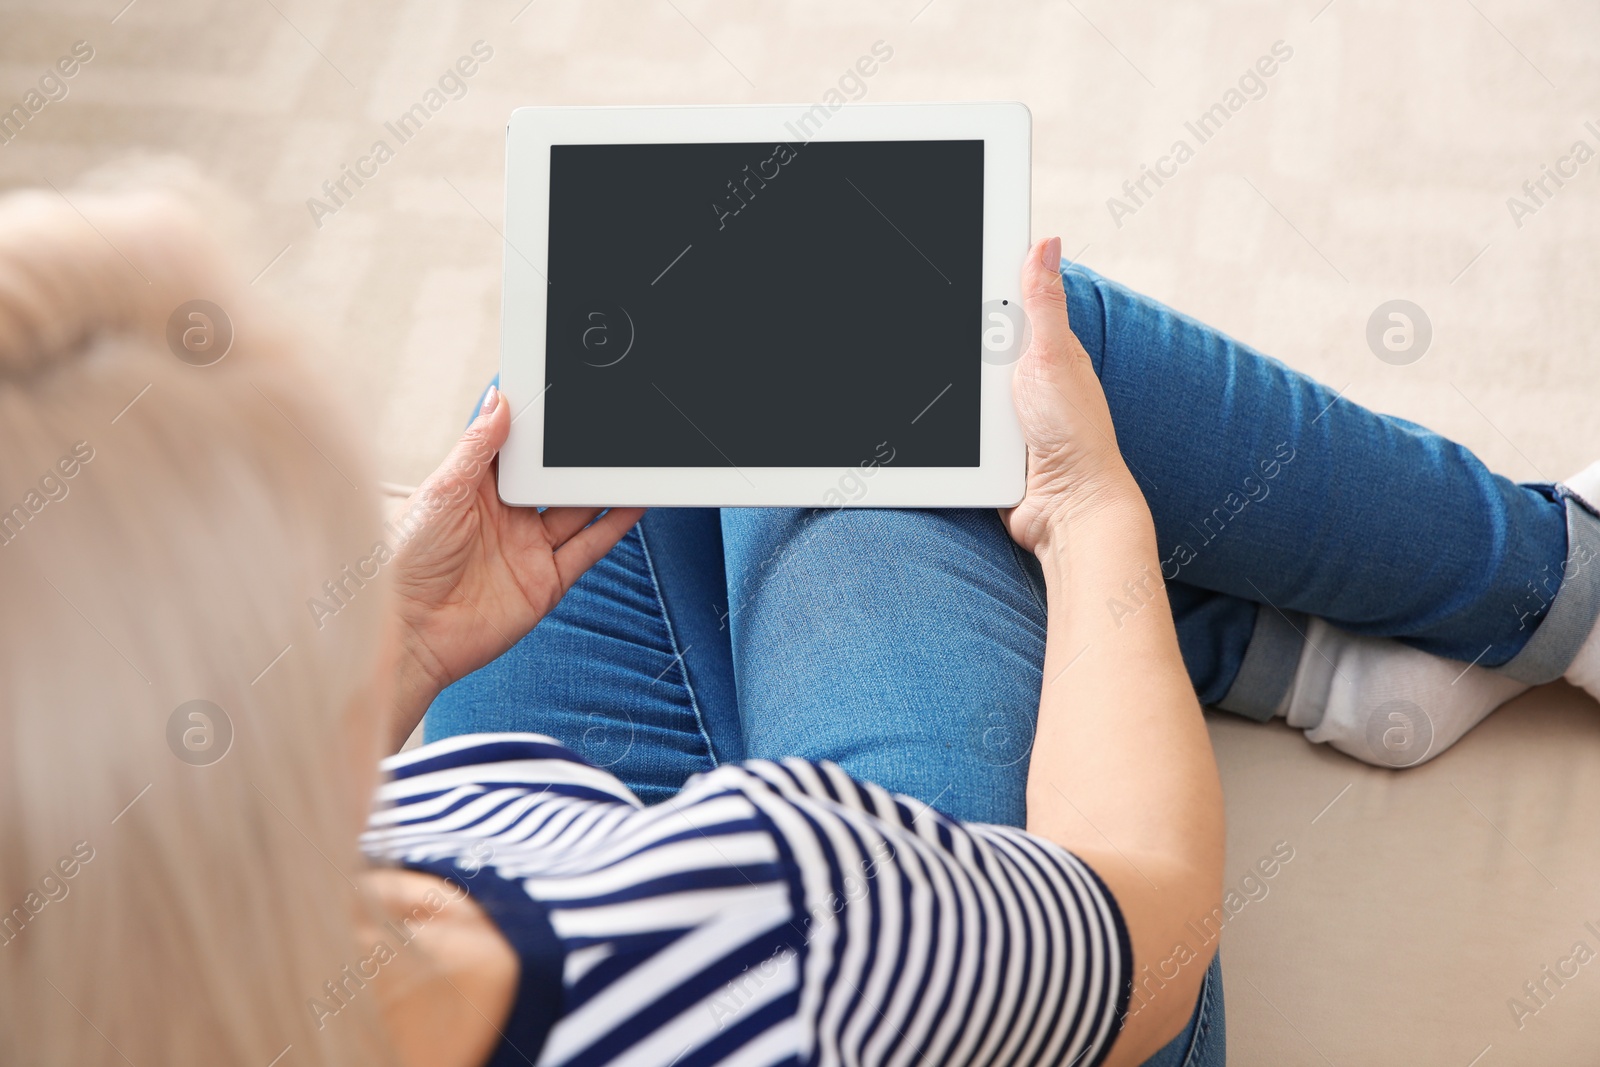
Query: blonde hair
x=162, y=525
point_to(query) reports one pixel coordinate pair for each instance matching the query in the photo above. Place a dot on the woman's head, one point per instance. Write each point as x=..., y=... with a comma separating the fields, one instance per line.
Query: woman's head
x=175, y=877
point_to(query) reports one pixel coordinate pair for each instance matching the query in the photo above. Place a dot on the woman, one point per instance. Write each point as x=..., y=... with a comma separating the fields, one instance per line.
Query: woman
x=181, y=880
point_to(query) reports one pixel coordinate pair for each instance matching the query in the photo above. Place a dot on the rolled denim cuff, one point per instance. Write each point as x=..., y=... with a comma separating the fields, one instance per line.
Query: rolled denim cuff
x=1572, y=613
x=1267, y=671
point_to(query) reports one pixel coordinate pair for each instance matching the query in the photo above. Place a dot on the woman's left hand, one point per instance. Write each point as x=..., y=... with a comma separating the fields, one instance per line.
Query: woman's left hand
x=473, y=574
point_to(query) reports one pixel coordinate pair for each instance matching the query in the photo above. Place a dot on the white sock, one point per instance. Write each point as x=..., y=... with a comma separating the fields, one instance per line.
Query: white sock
x=1586, y=483
x=1386, y=703
x=1584, y=670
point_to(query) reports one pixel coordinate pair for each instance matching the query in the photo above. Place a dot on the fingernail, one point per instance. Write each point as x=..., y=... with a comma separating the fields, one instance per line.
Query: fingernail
x=491, y=400
x=1051, y=256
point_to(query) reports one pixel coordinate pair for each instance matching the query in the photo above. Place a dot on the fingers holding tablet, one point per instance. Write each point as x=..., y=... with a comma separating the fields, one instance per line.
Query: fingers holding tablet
x=1073, y=459
x=473, y=574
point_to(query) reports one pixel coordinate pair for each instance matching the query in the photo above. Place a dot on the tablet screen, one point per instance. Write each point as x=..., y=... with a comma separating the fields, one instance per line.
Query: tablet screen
x=764, y=305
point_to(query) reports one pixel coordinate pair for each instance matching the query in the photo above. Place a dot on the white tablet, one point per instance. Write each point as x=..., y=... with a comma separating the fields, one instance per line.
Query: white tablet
x=781, y=306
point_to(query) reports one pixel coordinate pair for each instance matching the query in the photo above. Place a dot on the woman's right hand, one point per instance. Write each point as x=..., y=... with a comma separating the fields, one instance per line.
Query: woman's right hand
x=475, y=574
x=1074, y=465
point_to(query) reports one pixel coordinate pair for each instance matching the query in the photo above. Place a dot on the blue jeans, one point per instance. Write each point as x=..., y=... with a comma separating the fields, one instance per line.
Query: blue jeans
x=907, y=645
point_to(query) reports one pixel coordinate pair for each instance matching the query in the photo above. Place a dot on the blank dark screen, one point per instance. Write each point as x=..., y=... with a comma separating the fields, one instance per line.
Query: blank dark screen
x=764, y=305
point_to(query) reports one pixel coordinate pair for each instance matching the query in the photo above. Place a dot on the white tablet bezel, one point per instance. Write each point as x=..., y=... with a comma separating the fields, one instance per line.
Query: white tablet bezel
x=997, y=481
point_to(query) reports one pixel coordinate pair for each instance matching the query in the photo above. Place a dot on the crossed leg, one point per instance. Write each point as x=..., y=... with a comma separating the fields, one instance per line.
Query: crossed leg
x=906, y=645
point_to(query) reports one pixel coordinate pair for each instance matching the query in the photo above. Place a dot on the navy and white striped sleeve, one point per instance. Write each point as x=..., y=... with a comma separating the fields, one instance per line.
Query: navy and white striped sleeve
x=770, y=914
x=938, y=941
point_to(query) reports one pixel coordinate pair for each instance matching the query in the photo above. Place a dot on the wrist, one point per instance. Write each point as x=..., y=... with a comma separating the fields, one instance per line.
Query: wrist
x=1115, y=508
x=418, y=679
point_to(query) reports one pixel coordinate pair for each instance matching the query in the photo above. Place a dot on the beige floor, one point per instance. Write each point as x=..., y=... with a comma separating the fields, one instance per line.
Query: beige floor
x=1377, y=165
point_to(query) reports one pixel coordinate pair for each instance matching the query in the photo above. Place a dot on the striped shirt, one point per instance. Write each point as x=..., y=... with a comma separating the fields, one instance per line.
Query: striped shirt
x=771, y=913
